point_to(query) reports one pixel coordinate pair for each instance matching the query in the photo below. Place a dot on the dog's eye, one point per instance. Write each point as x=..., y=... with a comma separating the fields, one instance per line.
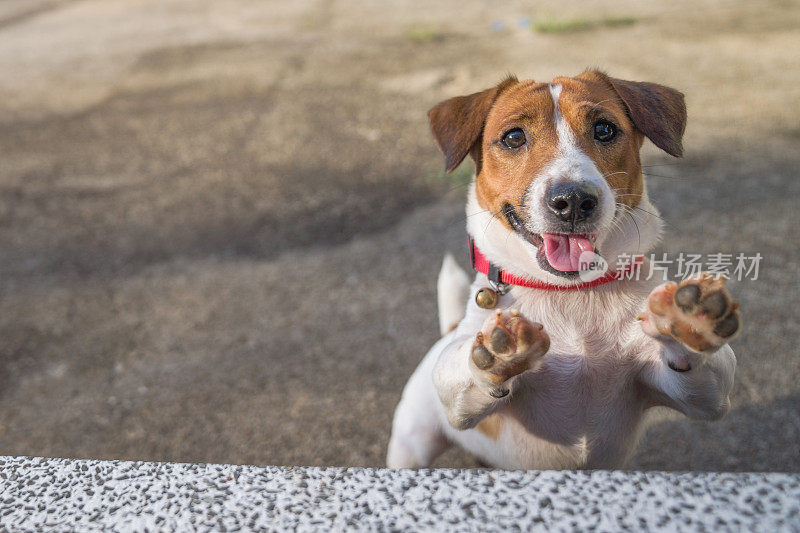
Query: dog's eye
x=514, y=138
x=604, y=131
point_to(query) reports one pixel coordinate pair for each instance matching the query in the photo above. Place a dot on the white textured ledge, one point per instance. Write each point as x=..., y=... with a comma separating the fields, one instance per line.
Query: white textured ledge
x=64, y=494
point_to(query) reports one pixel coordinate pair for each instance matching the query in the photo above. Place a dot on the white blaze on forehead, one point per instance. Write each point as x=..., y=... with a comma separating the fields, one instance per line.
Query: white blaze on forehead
x=566, y=140
x=555, y=90
x=571, y=163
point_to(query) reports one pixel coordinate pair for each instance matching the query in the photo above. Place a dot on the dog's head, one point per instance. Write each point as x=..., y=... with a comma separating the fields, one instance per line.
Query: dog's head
x=557, y=167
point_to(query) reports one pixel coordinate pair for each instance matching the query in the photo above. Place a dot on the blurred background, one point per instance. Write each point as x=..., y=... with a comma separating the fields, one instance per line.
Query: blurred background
x=221, y=222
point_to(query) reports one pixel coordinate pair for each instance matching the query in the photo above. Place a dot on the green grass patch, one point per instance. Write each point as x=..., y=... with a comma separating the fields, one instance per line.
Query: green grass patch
x=424, y=34
x=613, y=22
x=553, y=24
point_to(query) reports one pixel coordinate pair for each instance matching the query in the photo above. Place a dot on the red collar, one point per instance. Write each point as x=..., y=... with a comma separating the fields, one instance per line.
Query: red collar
x=482, y=265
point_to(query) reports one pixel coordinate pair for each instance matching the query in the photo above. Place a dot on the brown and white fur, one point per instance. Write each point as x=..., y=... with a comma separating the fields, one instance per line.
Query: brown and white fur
x=562, y=379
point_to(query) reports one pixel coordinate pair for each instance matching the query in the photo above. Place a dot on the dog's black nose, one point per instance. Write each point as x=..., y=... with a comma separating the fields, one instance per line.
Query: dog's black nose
x=571, y=202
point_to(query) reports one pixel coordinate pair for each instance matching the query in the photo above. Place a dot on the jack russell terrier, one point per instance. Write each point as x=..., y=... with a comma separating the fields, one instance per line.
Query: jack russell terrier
x=544, y=369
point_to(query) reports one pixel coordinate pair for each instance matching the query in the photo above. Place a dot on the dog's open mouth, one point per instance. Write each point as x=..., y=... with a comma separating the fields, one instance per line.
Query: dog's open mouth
x=563, y=252
x=559, y=253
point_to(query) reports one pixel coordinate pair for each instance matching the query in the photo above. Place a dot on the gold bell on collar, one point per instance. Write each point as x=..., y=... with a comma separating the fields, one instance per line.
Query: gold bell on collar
x=486, y=298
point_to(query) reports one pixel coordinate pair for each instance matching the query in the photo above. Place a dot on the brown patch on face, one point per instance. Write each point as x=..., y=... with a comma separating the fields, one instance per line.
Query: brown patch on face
x=491, y=426
x=506, y=174
x=587, y=99
x=476, y=124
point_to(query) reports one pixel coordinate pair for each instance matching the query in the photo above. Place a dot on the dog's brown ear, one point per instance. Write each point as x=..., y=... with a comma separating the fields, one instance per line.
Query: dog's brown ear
x=457, y=124
x=657, y=111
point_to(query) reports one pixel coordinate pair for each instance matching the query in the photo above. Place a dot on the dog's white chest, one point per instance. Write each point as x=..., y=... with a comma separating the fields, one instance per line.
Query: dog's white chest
x=559, y=414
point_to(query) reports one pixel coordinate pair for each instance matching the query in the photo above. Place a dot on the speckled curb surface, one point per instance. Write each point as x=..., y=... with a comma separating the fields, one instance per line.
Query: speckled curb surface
x=65, y=495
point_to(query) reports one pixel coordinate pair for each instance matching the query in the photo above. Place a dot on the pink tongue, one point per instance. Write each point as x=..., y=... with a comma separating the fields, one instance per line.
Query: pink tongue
x=563, y=251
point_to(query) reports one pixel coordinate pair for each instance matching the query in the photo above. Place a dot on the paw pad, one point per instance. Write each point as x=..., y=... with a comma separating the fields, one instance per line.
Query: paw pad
x=699, y=312
x=509, y=344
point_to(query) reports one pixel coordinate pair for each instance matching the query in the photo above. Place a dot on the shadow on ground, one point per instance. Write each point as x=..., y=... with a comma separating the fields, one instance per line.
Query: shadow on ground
x=730, y=444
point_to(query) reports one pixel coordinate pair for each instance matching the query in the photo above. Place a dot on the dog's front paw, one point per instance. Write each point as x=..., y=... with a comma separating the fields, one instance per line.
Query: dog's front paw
x=508, y=345
x=699, y=312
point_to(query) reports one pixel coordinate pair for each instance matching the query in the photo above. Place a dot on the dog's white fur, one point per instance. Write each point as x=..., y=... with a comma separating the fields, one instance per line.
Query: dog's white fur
x=583, y=407
x=452, y=291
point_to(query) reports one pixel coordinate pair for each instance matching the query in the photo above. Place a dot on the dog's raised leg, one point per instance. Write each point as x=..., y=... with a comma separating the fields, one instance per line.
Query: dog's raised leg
x=466, y=375
x=693, y=322
x=474, y=378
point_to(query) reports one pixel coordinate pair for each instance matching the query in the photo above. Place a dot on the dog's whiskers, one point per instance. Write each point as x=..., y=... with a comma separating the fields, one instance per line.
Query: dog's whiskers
x=614, y=173
x=464, y=218
x=594, y=106
x=638, y=233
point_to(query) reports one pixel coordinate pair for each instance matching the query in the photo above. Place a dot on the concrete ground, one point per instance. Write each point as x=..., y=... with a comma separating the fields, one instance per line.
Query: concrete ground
x=220, y=223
